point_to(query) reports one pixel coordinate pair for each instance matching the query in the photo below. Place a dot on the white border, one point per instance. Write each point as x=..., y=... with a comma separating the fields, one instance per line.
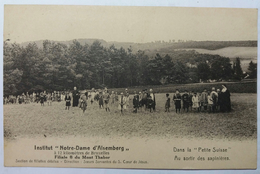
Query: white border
x=178, y=3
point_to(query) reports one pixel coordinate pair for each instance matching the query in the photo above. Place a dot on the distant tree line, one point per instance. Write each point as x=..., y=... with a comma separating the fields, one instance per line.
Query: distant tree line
x=59, y=67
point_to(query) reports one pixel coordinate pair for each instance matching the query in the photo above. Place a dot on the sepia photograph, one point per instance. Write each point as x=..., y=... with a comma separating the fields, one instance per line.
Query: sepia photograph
x=138, y=87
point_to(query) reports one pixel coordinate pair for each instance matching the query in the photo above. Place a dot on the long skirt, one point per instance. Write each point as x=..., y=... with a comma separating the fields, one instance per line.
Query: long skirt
x=75, y=101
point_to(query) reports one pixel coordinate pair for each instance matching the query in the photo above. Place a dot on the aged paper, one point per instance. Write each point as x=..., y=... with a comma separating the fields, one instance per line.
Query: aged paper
x=42, y=65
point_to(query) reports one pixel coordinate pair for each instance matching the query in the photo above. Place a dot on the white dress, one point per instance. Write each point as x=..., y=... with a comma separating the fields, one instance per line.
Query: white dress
x=195, y=102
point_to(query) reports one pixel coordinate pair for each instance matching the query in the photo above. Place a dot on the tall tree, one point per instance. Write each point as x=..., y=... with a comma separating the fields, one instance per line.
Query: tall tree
x=238, y=73
x=203, y=70
x=221, y=68
x=252, y=68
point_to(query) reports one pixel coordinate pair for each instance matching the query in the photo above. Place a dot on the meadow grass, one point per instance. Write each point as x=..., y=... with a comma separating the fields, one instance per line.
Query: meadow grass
x=33, y=120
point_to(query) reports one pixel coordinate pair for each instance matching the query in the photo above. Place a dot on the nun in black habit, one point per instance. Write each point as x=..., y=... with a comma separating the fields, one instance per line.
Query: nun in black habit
x=225, y=102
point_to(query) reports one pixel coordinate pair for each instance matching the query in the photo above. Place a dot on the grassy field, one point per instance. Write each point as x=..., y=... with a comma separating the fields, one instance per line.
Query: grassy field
x=33, y=120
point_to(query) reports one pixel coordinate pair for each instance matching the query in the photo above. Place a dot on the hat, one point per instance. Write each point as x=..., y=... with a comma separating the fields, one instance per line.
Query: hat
x=121, y=93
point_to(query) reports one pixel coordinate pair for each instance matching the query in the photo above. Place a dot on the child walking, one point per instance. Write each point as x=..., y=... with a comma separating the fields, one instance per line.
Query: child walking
x=83, y=101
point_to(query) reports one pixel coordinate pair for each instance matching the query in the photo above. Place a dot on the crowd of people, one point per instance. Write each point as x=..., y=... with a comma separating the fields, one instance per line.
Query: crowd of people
x=39, y=97
x=206, y=101
x=214, y=100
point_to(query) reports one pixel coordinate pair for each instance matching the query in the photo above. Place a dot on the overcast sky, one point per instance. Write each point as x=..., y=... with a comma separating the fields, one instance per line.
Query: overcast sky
x=127, y=24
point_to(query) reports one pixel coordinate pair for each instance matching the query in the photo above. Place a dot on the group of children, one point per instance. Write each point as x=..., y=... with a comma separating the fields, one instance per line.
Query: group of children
x=210, y=101
x=35, y=98
x=104, y=99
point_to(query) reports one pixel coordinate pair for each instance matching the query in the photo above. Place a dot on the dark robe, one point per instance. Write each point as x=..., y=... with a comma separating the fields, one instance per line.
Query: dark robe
x=67, y=99
x=185, y=99
x=136, y=101
x=226, y=103
x=151, y=102
x=177, y=101
x=75, y=95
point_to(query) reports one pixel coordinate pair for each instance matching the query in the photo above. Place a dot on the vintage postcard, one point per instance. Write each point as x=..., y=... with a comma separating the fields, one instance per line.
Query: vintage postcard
x=130, y=87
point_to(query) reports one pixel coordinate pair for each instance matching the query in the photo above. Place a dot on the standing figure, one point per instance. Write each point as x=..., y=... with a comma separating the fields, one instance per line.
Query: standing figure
x=23, y=97
x=151, y=101
x=27, y=98
x=59, y=96
x=68, y=100
x=20, y=99
x=6, y=101
x=116, y=97
x=204, y=99
x=200, y=101
x=210, y=102
x=136, y=102
x=226, y=102
x=140, y=100
x=195, y=102
x=225, y=97
x=100, y=100
x=127, y=100
x=190, y=99
x=177, y=100
x=31, y=98
x=214, y=96
x=96, y=95
x=34, y=97
x=112, y=97
x=49, y=99
x=144, y=99
x=92, y=95
x=42, y=99
x=167, y=103
x=75, y=96
x=185, y=100
x=62, y=96
x=106, y=98
x=45, y=96
x=54, y=96
x=83, y=101
x=121, y=103
x=219, y=100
